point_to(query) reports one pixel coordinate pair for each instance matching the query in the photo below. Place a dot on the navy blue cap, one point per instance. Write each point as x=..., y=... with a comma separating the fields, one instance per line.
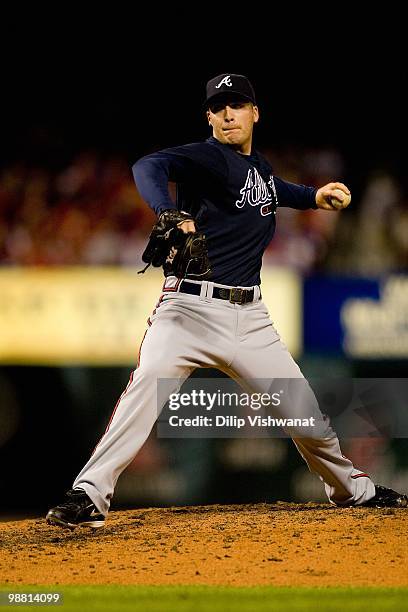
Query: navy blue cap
x=229, y=84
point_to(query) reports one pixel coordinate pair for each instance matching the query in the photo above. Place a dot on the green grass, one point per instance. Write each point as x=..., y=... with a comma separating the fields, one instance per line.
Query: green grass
x=219, y=599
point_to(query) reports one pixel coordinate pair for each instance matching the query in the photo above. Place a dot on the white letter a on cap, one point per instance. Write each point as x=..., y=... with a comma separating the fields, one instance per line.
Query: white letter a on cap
x=226, y=80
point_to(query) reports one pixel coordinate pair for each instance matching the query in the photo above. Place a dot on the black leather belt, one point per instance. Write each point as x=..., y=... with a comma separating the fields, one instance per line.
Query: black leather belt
x=235, y=295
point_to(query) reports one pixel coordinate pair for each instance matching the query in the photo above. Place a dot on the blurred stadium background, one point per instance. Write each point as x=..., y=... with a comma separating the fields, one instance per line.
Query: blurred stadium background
x=73, y=310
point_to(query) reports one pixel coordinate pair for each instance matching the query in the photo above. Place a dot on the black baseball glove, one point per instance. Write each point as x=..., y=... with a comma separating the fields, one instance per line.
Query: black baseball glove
x=179, y=253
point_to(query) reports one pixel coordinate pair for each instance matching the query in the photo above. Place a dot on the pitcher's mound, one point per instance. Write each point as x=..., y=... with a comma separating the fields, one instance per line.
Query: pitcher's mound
x=280, y=544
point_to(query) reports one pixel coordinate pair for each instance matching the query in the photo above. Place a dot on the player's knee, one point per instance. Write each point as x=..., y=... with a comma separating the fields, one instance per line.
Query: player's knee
x=159, y=368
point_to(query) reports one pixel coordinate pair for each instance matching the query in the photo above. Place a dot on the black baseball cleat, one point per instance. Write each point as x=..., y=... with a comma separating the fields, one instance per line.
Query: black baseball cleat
x=386, y=498
x=77, y=509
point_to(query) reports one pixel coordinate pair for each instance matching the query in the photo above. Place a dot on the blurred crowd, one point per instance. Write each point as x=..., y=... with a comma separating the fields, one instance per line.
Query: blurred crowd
x=90, y=213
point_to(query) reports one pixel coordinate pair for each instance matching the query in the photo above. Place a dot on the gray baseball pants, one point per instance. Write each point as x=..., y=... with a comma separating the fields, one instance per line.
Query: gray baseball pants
x=189, y=331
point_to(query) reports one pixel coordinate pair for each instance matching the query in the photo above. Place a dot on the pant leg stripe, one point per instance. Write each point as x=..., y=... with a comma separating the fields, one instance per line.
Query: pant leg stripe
x=114, y=411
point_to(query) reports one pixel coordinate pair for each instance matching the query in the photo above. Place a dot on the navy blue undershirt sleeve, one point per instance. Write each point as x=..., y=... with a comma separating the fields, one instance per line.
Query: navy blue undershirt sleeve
x=179, y=164
x=296, y=196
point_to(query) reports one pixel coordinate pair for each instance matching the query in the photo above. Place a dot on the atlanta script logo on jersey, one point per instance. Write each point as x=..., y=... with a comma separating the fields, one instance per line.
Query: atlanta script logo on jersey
x=256, y=192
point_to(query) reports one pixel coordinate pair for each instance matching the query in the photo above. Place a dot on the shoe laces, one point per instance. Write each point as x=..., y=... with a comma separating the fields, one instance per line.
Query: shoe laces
x=75, y=493
x=76, y=498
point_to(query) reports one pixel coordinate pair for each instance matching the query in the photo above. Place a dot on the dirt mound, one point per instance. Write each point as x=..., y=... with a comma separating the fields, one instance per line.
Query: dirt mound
x=279, y=544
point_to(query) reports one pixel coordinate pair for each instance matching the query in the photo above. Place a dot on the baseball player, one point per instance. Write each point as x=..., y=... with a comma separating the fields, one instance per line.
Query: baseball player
x=210, y=312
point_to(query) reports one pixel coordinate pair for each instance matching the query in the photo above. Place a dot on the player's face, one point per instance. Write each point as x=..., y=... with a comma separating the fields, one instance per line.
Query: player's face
x=232, y=123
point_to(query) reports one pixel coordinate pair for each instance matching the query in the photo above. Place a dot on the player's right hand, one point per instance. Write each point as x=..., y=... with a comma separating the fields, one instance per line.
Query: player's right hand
x=325, y=194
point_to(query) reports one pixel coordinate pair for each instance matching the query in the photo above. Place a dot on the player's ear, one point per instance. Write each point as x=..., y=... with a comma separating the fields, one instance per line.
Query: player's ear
x=208, y=117
x=255, y=111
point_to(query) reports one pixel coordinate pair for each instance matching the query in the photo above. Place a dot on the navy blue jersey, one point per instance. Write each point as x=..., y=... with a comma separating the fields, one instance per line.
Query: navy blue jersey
x=233, y=198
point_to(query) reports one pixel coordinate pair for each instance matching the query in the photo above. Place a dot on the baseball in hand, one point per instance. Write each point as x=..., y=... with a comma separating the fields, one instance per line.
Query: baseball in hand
x=340, y=199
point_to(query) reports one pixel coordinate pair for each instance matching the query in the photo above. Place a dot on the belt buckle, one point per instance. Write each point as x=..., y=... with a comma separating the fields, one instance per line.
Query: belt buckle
x=237, y=295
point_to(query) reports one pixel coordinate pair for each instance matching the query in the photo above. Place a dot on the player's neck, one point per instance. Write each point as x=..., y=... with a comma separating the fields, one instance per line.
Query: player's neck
x=244, y=149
